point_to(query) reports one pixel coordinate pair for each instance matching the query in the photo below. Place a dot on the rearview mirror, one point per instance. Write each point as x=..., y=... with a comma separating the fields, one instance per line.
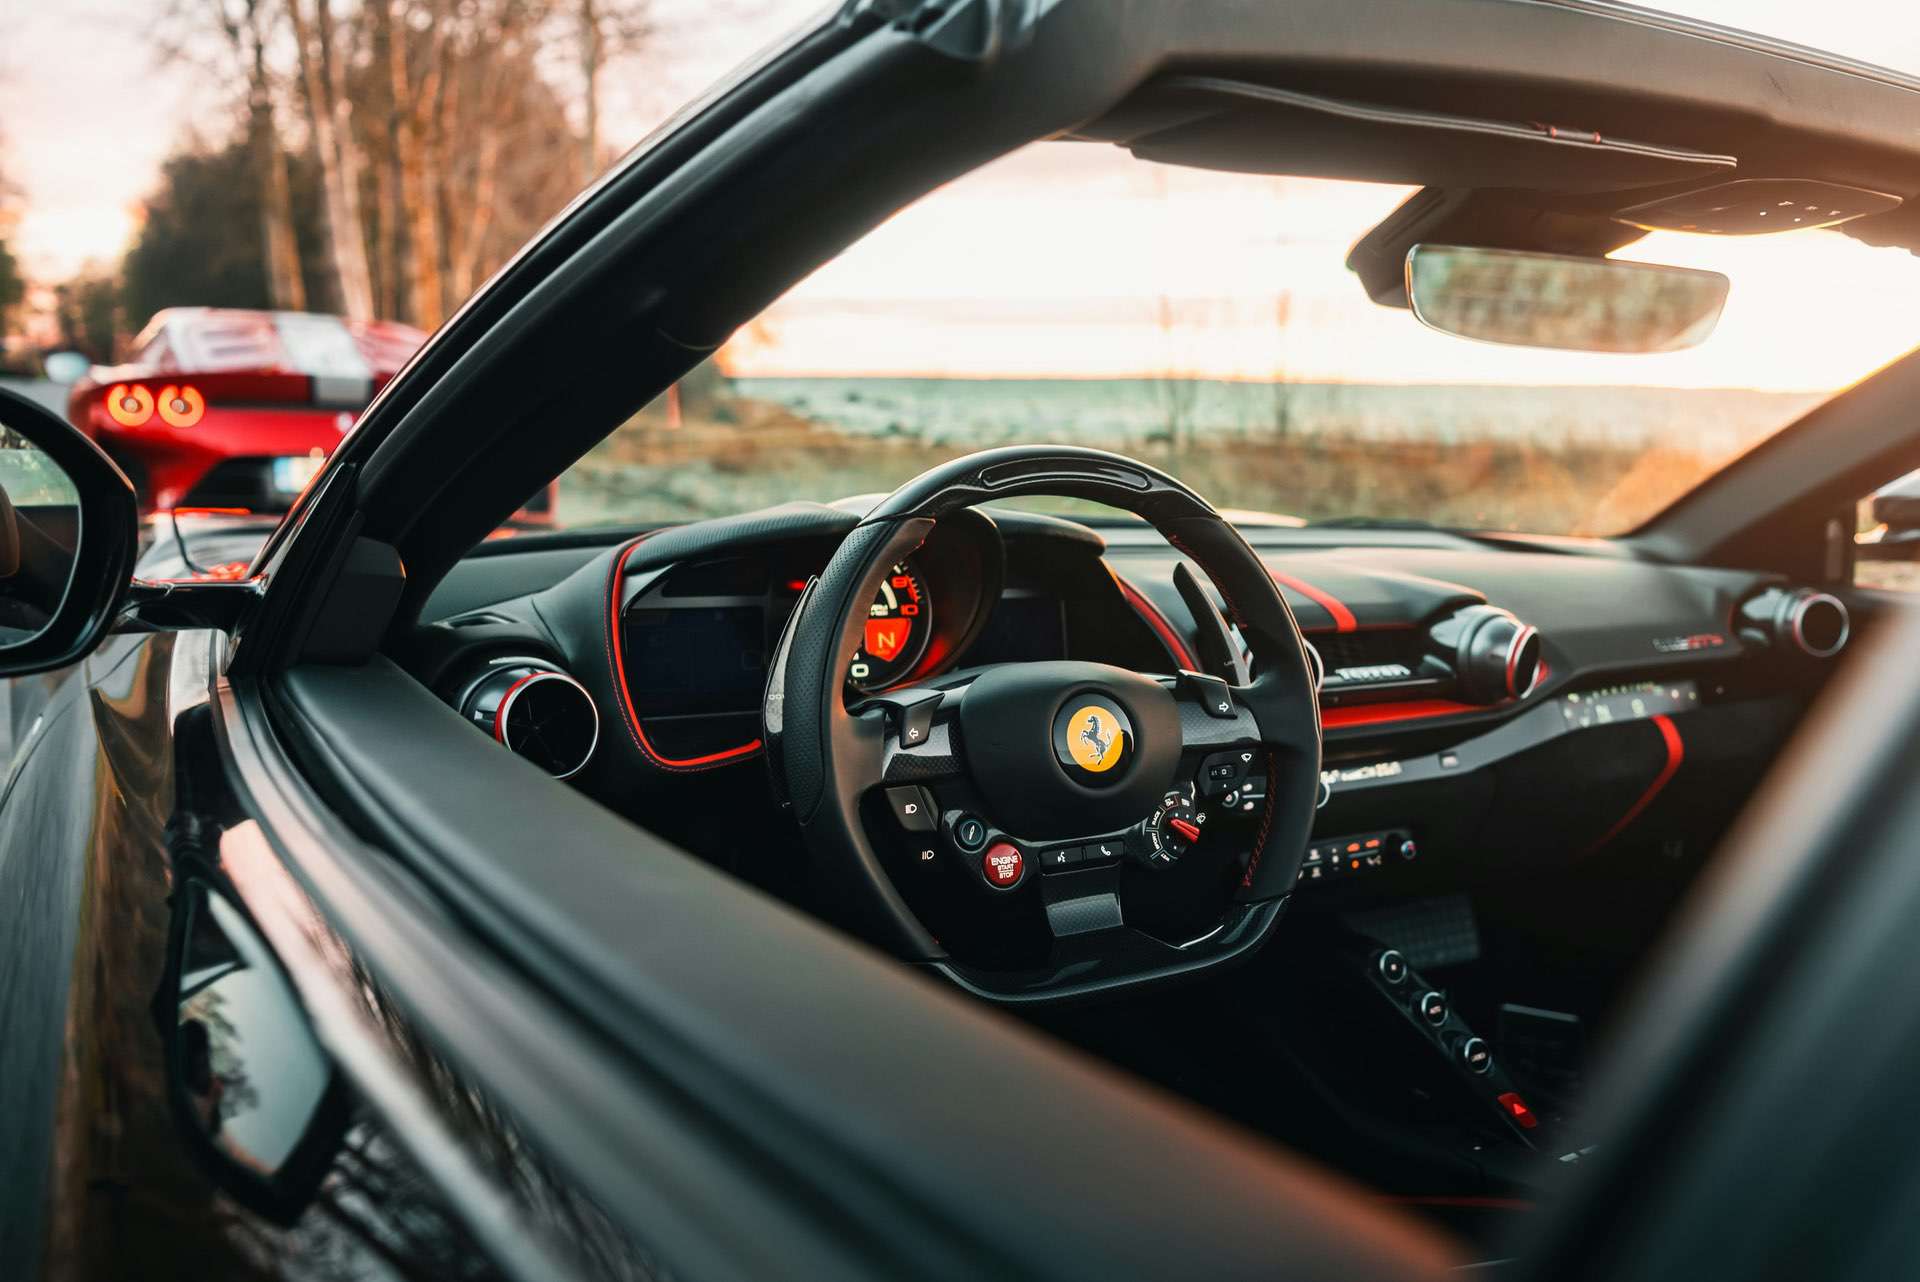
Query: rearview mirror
x=1562, y=301
x=68, y=535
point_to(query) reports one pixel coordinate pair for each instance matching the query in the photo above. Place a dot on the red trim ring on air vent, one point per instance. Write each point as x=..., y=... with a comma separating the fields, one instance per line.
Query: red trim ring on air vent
x=500, y=713
x=616, y=655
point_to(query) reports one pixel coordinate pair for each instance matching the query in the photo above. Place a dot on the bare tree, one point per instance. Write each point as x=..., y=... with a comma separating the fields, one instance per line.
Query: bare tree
x=246, y=28
x=318, y=42
x=285, y=286
x=416, y=76
x=602, y=31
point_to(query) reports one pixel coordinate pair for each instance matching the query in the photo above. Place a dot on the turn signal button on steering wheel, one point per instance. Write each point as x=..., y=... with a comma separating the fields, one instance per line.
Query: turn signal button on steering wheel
x=1003, y=865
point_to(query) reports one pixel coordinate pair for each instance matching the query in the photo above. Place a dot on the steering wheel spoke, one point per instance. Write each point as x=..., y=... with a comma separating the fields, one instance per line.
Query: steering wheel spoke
x=918, y=745
x=1213, y=714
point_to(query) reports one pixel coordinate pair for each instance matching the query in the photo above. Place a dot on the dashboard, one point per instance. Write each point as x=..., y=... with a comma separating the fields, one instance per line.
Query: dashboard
x=1489, y=710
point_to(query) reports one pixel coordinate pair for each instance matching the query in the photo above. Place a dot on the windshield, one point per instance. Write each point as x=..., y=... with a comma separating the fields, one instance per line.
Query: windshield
x=1206, y=323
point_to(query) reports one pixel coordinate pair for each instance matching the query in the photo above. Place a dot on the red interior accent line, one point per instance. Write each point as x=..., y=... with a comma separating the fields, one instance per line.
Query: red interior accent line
x=616, y=646
x=1373, y=714
x=1676, y=753
x=1162, y=627
x=500, y=713
x=1343, y=620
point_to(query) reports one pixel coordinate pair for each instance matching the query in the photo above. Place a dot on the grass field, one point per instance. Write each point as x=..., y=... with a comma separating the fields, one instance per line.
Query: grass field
x=1562, y=460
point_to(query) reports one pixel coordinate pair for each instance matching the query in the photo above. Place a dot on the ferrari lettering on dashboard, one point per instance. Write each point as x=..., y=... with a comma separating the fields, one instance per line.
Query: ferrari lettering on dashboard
x=1681, y=645
x=1355, y=774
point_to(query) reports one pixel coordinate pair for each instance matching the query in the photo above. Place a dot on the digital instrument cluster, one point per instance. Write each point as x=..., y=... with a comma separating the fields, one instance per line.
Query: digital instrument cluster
x=897, y=626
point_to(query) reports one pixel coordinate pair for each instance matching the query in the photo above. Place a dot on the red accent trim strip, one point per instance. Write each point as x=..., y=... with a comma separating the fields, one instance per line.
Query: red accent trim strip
x=616, y=649
x=500, y=713
x=1374, y=714
x=1676, y=753
x=1163, y=628
x=1343, y=620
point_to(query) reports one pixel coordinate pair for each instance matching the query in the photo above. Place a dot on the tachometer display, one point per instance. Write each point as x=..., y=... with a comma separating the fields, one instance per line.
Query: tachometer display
x=895, y=633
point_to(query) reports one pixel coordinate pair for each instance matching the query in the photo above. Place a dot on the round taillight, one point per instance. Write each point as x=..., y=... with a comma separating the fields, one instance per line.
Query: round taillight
x=181, y=406
x=129, y=404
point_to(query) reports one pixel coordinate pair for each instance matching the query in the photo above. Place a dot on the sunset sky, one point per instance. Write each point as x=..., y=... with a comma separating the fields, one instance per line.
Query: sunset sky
x=1051, y=262
x=88, y=110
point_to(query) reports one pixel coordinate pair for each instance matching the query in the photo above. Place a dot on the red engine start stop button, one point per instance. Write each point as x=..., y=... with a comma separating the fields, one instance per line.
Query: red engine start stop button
x=1003, y=865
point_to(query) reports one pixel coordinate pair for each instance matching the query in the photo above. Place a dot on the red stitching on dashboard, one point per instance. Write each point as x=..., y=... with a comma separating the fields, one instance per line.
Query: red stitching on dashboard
x=1163, y=627
x=1676, y=753
x=1343, y=620
x=616, y=661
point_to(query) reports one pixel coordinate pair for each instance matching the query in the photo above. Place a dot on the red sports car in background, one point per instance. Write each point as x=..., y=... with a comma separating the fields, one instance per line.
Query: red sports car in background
x=225, y=408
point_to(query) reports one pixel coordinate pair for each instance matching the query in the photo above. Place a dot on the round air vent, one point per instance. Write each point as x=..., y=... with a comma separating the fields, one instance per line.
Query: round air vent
x=1494, y=656
x=1812, y=623
x=539, y=713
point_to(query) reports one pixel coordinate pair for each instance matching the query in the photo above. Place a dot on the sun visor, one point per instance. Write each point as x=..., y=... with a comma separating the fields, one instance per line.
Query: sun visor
x=1211, y=122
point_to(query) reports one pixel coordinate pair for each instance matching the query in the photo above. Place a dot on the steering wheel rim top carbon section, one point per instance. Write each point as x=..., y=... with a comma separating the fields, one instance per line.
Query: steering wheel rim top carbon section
x=1055, y=750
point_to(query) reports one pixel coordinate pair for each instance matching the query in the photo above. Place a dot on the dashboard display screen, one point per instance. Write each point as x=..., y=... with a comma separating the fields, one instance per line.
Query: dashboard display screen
x=1633, y=702
x=698, y=660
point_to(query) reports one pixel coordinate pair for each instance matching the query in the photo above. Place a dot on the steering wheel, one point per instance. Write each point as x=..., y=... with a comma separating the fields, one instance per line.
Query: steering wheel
x=1076, y=788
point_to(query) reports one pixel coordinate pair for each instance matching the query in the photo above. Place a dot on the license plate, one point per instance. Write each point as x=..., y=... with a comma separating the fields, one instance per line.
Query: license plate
x=291, y=475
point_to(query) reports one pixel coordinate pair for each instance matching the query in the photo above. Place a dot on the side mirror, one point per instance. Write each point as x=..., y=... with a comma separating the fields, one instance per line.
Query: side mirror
x=257, y=1100
x=69, y=533
x=1896, y=512
x=65, y=368
x=1897, y=506
x=1561, y=300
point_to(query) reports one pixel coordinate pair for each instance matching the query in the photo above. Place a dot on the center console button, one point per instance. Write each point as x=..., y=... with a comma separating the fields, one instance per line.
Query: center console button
x=1433, y=1008
x=1474, y=1055
x=1391, y=966
x=1003, y=865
